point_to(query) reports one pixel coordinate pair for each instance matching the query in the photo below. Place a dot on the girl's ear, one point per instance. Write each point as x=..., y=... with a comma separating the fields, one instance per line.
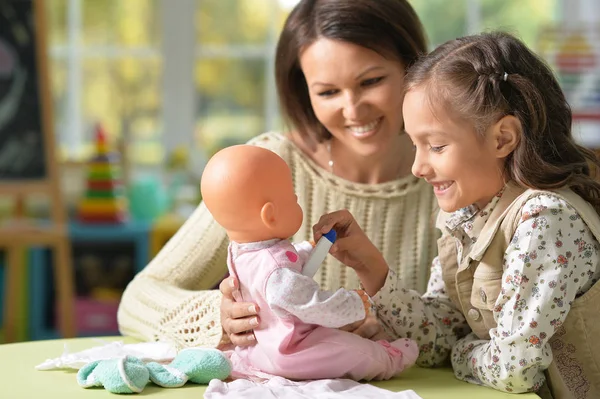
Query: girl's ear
x=268, y=215
x=507, y=135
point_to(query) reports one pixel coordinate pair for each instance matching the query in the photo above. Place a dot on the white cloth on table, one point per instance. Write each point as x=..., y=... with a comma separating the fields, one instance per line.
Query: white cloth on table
x=160, y=352
x=281, y=388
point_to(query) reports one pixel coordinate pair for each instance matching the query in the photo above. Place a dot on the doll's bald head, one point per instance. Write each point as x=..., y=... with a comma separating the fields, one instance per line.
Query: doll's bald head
x=249, y=191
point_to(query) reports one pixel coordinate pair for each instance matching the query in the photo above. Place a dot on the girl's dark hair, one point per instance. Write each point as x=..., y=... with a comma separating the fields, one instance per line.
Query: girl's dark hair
x=389, y=27
x=467, y=76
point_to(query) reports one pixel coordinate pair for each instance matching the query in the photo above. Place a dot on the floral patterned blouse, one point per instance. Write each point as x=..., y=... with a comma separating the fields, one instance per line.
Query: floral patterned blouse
x=552, y=259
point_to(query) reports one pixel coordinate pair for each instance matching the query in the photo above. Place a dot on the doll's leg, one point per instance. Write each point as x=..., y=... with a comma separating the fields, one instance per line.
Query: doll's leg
x=330, y=353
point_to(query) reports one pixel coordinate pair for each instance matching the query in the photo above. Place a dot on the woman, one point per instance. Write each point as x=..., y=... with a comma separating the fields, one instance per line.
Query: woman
x=340, y=69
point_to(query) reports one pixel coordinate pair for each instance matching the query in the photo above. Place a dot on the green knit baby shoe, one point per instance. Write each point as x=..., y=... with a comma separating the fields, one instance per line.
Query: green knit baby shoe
x=198, y=365
x=124, y=375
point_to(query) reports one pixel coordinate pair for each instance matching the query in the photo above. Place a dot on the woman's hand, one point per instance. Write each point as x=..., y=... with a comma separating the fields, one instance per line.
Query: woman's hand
x=353, y=248
x=237, y=318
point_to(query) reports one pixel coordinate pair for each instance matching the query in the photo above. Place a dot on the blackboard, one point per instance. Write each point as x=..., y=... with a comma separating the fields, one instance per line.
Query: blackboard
x=28, y=164
x=22, y=139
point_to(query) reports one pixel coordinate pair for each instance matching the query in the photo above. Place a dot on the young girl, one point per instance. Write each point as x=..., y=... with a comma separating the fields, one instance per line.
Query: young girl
x=512, y=298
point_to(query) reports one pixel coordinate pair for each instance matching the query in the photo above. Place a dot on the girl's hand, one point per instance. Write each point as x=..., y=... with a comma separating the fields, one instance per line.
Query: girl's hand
x=237, y=318
x=353, y=248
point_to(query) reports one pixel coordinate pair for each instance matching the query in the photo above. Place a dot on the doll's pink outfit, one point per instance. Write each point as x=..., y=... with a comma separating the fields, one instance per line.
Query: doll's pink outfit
x=298, y=336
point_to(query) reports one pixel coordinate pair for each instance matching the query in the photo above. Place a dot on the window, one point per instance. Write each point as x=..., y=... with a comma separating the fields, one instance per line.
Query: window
x=524, y=18
x=234, y=76
x=166, y=75
x=106, y=68
x=448, y=19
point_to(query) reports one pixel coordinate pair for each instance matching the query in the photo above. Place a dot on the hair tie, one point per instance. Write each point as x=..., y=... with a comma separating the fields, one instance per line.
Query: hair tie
x=505, y=76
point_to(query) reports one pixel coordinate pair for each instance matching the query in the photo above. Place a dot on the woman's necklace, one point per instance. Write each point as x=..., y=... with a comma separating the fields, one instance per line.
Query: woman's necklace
x=330, y=163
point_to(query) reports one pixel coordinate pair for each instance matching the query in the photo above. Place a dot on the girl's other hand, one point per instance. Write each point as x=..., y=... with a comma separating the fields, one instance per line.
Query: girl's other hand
x=369, y=328
x=237, y=318
x=366, y=301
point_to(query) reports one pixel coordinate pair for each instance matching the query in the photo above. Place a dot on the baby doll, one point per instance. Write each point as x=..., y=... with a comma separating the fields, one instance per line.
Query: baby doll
x=249, y=192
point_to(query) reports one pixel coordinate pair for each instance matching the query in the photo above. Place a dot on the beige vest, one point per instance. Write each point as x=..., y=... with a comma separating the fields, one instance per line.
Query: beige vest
x=474, y=285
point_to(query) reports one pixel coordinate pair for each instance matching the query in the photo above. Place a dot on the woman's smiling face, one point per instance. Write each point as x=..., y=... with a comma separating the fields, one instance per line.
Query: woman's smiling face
x=356, y=93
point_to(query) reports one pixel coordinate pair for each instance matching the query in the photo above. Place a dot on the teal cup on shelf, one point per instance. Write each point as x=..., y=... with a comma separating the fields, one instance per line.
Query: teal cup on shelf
x=147, y=198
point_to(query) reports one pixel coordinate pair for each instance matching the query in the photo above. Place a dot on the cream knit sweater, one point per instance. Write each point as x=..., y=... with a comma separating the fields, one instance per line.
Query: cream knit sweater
x=170, y=299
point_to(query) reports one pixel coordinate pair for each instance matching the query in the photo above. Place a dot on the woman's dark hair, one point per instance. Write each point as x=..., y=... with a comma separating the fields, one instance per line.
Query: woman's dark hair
x=389, y=27
x=485, y=77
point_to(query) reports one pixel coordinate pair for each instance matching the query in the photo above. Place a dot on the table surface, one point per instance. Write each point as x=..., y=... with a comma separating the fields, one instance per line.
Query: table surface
x=19, y=379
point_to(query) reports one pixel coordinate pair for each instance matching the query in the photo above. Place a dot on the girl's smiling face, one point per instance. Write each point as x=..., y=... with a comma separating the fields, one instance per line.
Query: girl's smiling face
x=463, y=167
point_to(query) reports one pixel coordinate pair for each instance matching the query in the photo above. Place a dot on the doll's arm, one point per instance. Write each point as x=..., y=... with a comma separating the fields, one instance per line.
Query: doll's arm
x=290, y=293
